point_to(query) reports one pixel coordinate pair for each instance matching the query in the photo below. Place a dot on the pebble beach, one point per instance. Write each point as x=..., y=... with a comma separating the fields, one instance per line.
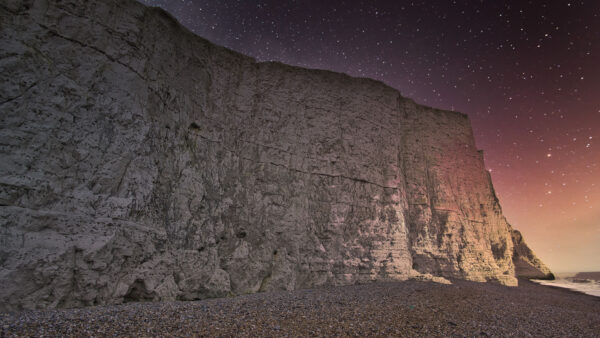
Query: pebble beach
x=410, y=308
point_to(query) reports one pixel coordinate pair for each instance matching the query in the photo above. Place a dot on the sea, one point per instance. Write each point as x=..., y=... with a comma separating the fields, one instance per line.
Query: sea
x=586, y=282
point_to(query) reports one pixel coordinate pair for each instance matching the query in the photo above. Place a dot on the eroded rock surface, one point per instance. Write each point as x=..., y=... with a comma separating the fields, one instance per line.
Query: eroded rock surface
x=141, y=162
x=526, y=263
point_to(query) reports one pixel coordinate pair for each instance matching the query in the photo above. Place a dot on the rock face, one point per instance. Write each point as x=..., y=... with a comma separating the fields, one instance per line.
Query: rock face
x=527, y=265
x=141, y=162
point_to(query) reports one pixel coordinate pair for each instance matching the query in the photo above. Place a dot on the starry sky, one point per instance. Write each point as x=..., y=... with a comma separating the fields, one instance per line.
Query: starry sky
x=526, y=72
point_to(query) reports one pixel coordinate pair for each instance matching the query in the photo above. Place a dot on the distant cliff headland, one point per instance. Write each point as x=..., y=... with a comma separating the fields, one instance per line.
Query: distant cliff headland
x=588, y=275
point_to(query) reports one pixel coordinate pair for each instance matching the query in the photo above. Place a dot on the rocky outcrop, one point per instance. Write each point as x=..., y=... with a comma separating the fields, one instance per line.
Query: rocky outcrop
x=527, y=265
x=593, y=276
x=141, y=162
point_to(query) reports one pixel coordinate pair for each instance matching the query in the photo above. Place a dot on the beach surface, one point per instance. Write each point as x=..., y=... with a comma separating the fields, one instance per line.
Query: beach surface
x=411, y=308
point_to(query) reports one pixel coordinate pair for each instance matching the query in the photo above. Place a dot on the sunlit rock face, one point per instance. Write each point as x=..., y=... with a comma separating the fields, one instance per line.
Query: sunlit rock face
x=141, y=162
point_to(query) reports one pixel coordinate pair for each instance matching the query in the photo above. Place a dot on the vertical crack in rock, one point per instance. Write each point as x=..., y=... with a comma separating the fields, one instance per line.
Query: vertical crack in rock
x=141, y=162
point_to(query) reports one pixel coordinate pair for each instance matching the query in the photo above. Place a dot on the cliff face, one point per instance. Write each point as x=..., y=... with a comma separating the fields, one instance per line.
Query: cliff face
x=141, y=162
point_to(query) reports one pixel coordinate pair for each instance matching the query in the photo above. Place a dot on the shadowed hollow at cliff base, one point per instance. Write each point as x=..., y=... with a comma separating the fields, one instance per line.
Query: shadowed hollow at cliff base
x=142, y=162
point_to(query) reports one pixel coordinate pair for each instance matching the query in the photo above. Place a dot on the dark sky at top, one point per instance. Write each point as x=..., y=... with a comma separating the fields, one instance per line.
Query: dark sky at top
x=526, y=72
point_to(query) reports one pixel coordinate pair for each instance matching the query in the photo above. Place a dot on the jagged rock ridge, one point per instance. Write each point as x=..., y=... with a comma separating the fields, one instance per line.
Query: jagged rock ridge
x=141, y=162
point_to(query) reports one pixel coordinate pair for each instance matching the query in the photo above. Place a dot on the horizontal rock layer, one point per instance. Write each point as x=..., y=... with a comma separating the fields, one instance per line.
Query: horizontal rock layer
x=141, y=162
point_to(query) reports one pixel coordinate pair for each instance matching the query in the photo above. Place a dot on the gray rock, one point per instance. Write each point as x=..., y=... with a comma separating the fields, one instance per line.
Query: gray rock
x=142, y=162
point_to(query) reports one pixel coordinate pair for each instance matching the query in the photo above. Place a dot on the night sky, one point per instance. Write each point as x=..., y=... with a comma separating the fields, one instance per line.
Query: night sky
x=526, y=72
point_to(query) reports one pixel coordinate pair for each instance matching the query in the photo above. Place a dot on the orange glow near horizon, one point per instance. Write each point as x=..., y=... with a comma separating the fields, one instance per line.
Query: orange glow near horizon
x=556, y=205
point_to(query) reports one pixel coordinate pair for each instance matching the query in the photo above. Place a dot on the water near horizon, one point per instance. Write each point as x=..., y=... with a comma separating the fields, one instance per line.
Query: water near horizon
x=586, y=282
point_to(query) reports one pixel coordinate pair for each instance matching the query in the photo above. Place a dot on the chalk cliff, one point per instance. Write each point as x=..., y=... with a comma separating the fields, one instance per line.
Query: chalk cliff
x=141, y=162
